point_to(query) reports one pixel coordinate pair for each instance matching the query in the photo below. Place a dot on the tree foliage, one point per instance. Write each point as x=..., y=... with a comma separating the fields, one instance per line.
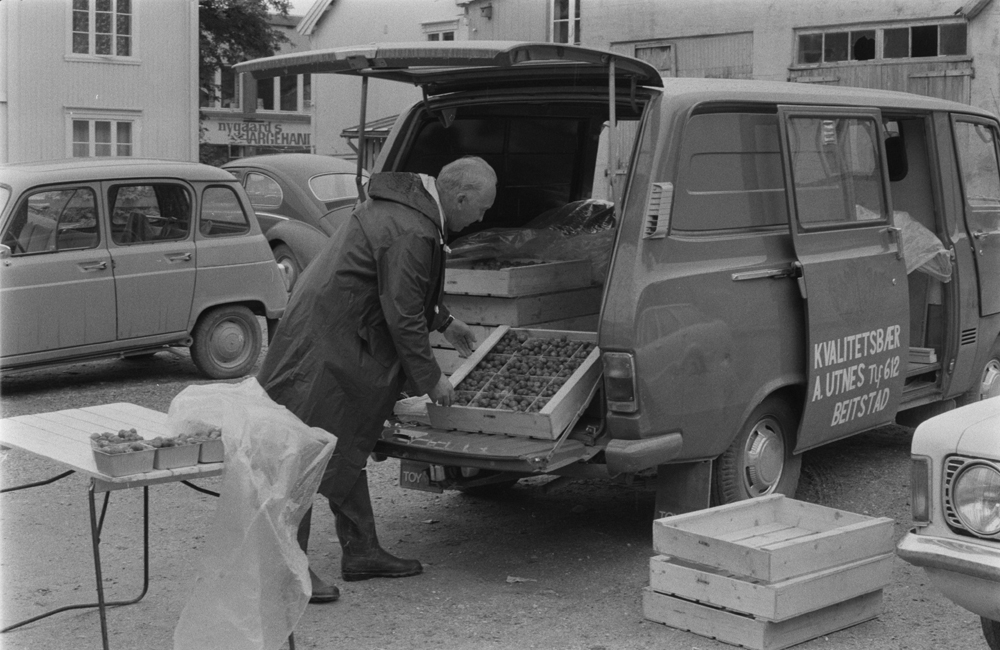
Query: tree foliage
x=235, y=30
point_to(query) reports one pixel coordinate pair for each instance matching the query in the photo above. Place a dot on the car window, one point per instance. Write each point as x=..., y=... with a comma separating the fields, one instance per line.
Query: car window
x=148, y=213
x=52, y=220
x=835, y=169
x=221, y=213
x=730, y=174
x=264, y=191
x=980, y=170
x=327, y=187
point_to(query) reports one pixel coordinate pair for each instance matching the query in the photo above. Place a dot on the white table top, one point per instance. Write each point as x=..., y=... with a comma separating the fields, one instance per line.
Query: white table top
x=64, y=437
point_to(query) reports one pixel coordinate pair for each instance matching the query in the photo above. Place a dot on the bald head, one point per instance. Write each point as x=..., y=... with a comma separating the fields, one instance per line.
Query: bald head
x=467, y=189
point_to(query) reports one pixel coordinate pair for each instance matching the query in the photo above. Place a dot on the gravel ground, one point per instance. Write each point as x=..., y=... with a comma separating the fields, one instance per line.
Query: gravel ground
x=563, y=569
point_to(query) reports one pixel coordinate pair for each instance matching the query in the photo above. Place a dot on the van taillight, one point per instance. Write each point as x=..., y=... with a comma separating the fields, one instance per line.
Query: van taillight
x=619, y=381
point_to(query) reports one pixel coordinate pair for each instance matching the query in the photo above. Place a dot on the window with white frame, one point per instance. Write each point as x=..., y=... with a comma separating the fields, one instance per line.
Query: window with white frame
x=289, y=94
x=442, y=30
x=867, y=43
x=102, y=137
x=102, y=27
x=227, y=91
x=566, y=21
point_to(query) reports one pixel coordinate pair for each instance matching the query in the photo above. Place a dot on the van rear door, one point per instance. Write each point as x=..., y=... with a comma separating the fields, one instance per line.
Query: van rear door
x=853, y=276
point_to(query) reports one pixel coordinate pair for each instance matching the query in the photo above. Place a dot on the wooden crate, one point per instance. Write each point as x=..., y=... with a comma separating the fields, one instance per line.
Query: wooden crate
x=758, y=634
x=772, y=601
x=450, y=361
x=561, y=411
x=541, y=276
x=772, y=538
x=525, y=310
x=768, y=573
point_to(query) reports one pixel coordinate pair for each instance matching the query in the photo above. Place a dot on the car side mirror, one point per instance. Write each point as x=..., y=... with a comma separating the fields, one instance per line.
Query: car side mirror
x=4, y=252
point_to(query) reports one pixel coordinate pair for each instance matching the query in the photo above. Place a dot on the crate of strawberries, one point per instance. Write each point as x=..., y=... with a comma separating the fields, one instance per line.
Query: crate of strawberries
x=523, y=382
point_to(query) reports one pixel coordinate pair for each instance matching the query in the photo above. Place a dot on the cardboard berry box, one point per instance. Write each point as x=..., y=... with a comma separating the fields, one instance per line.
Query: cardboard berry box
x=523, y=382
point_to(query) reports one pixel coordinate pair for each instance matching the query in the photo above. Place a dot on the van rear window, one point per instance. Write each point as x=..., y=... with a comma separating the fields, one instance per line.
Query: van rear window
x=730, y=173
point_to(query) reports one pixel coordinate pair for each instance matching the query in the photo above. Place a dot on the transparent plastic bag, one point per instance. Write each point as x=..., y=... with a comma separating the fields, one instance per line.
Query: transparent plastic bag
x=922, y=250
x=582, y=230
x=253, y=581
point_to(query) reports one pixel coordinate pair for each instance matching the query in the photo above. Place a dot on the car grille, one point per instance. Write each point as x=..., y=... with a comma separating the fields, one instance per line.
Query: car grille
x=952, y=467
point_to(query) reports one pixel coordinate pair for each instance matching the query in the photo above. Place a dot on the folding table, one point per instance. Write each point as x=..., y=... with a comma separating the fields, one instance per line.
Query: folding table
x=64, y=437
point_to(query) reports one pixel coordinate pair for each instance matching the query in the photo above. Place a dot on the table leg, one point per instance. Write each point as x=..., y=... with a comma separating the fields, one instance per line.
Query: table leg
x=95, y=538
x=96, y=525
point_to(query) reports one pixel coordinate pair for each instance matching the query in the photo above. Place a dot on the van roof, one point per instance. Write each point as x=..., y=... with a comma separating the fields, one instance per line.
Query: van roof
x=696, y=90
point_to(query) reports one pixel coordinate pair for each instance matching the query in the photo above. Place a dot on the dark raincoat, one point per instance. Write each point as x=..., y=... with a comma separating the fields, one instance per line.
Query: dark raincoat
x=356, y=327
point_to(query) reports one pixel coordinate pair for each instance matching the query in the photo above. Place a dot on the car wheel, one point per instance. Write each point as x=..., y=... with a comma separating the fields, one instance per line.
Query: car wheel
x=991, y=630
x=989, y=381
x=760, y=460
x=288, y=263
x=227, y=342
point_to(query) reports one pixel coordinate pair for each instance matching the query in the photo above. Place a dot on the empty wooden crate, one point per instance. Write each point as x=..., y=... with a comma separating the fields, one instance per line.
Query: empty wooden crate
x=768, y=573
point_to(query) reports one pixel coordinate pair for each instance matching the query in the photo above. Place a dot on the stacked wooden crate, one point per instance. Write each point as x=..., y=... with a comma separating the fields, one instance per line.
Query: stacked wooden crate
x=496, y=371
x=768, y=573
x=555, y=295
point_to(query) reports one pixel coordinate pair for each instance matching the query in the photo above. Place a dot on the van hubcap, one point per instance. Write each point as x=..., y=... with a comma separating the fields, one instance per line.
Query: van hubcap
x=765, y=457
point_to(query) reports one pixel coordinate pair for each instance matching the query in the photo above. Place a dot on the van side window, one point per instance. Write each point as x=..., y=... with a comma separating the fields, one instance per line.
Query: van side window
x=222, y=214
x=54, y=220
x=978, y=156
x=730, y=173
x=155, y=212
x=836, y=170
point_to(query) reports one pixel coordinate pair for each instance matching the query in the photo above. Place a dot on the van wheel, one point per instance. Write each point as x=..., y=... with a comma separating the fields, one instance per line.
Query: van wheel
x=991, y=630
x=289, y=265
x=760, y=460
x=227, y=342
x=989, y=381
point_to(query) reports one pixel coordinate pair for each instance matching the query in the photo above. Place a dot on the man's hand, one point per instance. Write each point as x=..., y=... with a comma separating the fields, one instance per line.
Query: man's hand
x=443, y=393
x=460, y=335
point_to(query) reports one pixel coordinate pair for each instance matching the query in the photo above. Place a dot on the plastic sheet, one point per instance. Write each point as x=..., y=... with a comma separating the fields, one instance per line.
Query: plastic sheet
x=253, y=579
x=922, y=250
x=577, y=231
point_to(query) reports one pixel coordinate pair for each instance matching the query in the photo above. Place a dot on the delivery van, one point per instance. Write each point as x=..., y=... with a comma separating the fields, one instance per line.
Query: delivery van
x=779, y=265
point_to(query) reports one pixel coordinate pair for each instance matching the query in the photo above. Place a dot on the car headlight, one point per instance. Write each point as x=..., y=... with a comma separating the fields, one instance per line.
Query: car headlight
x=976, y=497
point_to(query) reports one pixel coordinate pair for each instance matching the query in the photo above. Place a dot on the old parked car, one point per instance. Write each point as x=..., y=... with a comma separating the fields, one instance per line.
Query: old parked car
x=300, y=200
x=125, y=257
x=956, y=507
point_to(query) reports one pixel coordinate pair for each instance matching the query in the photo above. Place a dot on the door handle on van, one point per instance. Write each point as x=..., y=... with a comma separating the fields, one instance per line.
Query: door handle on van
x=791, y=271
x=896, y=234
x=980, y=234
x=94, y=266
x=179, y=257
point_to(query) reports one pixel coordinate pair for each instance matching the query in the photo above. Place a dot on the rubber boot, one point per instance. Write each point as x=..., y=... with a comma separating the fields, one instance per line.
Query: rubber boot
x=363, y=557
x=322, y=592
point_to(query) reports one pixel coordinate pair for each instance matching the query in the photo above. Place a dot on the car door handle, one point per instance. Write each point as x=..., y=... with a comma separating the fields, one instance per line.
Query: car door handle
x=981, y=234
x=94, y=266
x=179, y=257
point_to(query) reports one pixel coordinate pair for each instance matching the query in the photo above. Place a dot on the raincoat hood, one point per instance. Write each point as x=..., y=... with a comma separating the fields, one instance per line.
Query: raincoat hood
x=407, y=189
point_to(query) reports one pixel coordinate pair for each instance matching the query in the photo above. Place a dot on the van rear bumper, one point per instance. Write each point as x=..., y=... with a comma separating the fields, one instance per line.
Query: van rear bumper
x=630, y=456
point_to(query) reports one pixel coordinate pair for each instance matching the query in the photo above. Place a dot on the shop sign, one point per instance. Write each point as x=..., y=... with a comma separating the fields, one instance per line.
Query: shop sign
x=264, y=133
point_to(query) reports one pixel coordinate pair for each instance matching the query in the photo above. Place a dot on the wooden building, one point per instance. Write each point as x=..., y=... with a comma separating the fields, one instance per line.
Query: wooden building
x=340, y=23
x=98, y=78
x=941, y=48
